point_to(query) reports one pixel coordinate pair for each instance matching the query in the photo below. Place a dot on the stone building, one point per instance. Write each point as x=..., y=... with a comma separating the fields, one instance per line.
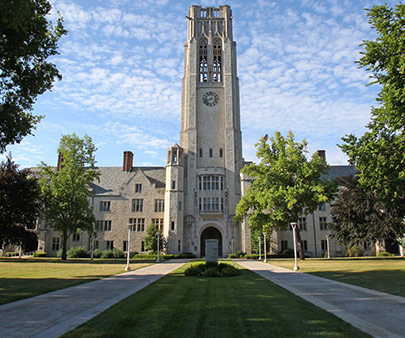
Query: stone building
x=194, y=197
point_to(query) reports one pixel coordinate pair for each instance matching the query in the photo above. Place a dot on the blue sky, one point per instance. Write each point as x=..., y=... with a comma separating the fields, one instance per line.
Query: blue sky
x=122, y=65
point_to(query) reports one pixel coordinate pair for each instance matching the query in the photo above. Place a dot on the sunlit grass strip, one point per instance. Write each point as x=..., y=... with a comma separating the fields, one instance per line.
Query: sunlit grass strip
x=381, y=274
x=23, y=278
x=243, y=306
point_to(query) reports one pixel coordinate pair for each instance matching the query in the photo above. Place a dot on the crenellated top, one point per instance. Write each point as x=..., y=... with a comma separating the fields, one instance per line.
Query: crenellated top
x=209, y=22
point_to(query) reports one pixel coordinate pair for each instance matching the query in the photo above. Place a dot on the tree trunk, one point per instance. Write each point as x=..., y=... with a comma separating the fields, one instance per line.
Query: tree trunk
x=299, y=241
x=64, y=245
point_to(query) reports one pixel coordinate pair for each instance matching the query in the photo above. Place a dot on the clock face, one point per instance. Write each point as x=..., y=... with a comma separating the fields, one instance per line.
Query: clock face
x=210, y=99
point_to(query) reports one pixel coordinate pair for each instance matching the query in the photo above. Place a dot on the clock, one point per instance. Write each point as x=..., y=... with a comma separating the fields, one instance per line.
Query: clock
x=210, y=99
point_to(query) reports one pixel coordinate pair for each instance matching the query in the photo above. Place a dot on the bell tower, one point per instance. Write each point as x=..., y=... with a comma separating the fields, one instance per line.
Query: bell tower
x=210, y=137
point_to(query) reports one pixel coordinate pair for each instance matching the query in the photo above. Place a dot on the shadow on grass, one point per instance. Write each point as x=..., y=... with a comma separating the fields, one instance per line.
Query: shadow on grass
x=74, y=261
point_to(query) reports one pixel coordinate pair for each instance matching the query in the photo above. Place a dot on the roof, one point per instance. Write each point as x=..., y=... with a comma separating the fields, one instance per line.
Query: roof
x=340, y=171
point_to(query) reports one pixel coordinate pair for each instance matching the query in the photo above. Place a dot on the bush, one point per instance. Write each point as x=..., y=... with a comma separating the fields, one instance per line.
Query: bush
x=78, y=252
x=107, y=254
x=211, y=269
x=385, y=254
x=39, y=254
x=179, y=256
x=118, y=253
x=97, y=253
x=288, y=253
x=236, y=254
x=251, y=256
x=354, y=251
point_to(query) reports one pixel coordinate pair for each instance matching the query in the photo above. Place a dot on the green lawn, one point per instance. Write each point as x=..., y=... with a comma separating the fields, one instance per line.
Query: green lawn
x=243, y=306
x=379, y=273
x=27, y=277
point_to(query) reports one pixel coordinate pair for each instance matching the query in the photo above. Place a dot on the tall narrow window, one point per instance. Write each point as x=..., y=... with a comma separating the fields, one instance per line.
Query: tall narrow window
x=203, y=66
x=220, y=152
x=216, y=69
x=210, y=152
x=201, y=153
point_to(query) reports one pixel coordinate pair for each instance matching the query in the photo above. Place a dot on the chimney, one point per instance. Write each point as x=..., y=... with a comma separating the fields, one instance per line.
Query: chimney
x=128, y=158
x=60, y=161
x=322, y=154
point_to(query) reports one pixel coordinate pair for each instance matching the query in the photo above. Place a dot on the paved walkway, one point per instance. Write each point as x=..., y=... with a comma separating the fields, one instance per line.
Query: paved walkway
x=377, y=313
x=52, y=314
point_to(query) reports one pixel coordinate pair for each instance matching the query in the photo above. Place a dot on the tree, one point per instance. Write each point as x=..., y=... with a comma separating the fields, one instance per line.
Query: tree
x=358, y=215
x=379, y=153
x=27, y=40
x=286, y=185
x=19, y=205
x=66, y=192
x=151, y=239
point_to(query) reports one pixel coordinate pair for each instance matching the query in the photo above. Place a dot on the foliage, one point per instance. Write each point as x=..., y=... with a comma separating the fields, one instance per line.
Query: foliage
x=236, y=254
x=288, y=253
x=39, y=254
x=19, y=205
x=151, y=238
x=379, y=153
x=78, y=252
x=97, y=253
x=211, y=269
x=66, y=192
x=354, y=251
x=358, y=215
x=385, y=254
x=149, y=256
x=184, y=255
x=27, y=40
x=286, y=185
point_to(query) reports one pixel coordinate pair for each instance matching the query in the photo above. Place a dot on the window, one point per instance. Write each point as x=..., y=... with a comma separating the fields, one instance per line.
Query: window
x=324, y=245
x=76, y=237
x=211, y=204
x=323, y=225
x=210, y=152
x=143, y=246
x=137, y=224
x=125, y=246
x=56, y=243
x=284, y=245
x=179, y=205
x=211, y=182
x=305, y=245
x=179, y=245
x=322, y=207
x=137, y=205
x=110, y=245
x=173, y=184
x=220, y=152
x=201, y=152
x=96, y=244
x=172, y=228
x=203, y=65
x=158, y=222
x=302, y=223
x=103, y=225
x=159, y=205
x=105, y=205
x=216, y=65
x=138, y=187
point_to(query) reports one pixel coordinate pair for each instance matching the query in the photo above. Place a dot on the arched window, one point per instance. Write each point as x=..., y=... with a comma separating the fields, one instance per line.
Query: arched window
x=216, y=74
x=203, y=66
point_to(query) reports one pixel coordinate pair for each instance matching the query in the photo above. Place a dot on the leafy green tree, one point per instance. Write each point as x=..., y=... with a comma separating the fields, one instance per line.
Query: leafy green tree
x=286, y=185
x=27, y=40
x=66, y=192
x=151, y=239
x=379, y=153
x=358, y=215
x=19, y=205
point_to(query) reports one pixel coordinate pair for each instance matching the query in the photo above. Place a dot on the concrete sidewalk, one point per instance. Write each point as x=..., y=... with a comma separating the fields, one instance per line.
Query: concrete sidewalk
x=376, y=313
x=52, y=314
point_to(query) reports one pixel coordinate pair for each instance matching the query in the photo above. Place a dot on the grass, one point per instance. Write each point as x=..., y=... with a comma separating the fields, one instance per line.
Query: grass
x=379, y=273
x=23, y=278
x=243, y=306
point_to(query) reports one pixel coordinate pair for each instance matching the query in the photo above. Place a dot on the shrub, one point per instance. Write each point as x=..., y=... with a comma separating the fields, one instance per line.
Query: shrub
x=236, y=254
x=39, y=254
x=193, y=270
x=97, y=253
x=230, y=271
x=78, y=252
x=107, y=254
x=179, y=256
x=354, y=251
x=288, y=253
x=385, y=254
x=118, y=253
x=59, y=254
x=212, y=272
x=211, y=269
x=251, y=256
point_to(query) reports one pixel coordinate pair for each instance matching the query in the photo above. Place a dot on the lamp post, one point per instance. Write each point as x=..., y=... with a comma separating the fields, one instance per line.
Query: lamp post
x=260, y=247
x=127, y=268
x=92, y=248
x=265, y=247
x=158, y=238
x=294, y=225
x=328, y=245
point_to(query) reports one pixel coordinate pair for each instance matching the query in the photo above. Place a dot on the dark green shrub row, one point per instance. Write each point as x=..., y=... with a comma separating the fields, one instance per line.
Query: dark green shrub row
x=385, y=254
x=39, y=254
x=147, y=256
x=179, y=256
x=78, y=252
x=237, y=254
x=211, y=270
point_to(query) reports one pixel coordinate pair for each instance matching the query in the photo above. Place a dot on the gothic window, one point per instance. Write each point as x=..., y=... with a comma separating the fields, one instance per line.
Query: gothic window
x=203, y=65
x=216, y=69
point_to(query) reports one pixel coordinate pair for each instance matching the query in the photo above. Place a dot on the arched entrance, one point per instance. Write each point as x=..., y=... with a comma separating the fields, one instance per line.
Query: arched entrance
x=211, y=233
